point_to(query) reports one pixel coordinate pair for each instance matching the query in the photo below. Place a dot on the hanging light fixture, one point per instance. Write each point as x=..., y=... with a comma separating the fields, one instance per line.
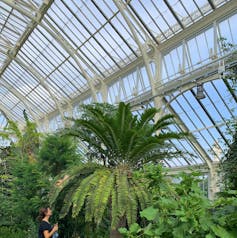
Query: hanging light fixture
x=200, y=92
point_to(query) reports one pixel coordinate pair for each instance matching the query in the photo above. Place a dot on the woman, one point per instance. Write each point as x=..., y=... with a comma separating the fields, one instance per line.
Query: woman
x=45, y=229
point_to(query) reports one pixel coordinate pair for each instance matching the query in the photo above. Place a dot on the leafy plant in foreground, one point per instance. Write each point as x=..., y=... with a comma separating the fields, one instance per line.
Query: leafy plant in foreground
x=180, y=210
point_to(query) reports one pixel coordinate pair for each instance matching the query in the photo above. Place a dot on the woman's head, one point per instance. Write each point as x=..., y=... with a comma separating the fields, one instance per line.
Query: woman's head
x=43, y=212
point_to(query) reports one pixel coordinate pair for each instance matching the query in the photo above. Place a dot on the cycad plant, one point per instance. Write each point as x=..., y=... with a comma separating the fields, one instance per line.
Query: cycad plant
x=121, y=142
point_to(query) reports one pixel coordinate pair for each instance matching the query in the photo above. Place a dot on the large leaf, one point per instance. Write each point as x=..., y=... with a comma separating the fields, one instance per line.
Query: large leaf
x=149, y=213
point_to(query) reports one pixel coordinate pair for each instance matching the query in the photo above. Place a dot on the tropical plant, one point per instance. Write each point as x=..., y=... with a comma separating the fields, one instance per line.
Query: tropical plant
x=25, y=186
x=58, y=153
x=5, y=187
x=229, y=164
x=24, y=143
x=121, y=142
x=181, y=210
x=29, y=191
x=120, y=137
x=6, y=232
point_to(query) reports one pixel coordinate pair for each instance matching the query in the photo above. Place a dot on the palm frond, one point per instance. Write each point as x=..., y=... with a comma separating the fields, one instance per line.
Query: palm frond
x=147, y=116
x=131, y=206
x=122, y=191
x=81, y=193
x=67, y=195
x=73, y=175
x=12, y=128
x=99, y=195
x=143, y=196
x=115, y=214
x=4, y=135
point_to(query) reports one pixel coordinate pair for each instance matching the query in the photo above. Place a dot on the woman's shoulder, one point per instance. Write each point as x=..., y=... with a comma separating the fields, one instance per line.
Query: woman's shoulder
x=45, y=224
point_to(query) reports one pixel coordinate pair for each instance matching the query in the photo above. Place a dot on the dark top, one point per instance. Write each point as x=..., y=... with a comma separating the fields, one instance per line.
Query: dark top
x=44, y=226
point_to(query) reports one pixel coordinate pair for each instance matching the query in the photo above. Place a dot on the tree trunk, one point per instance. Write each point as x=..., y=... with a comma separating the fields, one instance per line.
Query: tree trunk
x=114, y=233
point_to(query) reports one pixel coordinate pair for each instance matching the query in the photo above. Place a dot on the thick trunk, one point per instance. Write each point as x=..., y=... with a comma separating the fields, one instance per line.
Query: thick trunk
x=114, y=233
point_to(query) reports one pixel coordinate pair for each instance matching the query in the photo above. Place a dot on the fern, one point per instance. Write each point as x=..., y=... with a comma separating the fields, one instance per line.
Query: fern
x=131, y=206
x=81, y=193
x=115, y=215
x=122, y=191
x=102, y=196
x=141, y=194
x=74, y=175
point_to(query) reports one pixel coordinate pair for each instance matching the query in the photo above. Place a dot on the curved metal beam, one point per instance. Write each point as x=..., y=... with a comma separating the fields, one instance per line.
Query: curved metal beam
x=41, y=80
x=29, y=29
x=17, y=6
x=4, y=114
x=124, y=11
x=7, y=113
x=72, y=52
x=19, y=96
x=193, y=140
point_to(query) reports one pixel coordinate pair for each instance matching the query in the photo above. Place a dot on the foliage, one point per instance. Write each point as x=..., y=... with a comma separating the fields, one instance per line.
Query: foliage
x=230, y=72
x=77, y=227
x=229, y=164
x=25, y=185
x=57, y=153
x=121, y=142
x=93, y=188
x=226, y=210
x=125, y=192
x=28, y=191
x=5, y=186
x=123, y=138
x=180, y=210
x=27, y=140
x=6, y=232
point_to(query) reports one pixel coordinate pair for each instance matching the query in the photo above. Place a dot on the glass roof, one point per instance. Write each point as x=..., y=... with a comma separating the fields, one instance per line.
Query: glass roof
x=57, y=54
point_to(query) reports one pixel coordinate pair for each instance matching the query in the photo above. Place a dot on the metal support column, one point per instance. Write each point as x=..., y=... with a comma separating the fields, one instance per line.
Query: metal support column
x=104, y=91
x=143, y=48
x=215, y=50
x=213, y=180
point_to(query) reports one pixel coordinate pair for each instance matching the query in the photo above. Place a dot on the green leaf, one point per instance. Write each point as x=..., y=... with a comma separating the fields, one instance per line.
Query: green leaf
x=149, y=231
x=134, y=228
x=149, y=213
x=209, y=236
x=221, y=232
x=123, y=231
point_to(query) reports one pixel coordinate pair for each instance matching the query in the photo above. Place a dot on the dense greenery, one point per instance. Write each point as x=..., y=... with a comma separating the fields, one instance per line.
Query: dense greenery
x=25, y=185
x=6, y=232
x=58, y=153
x=120, y=183
x=181, y=210
x=229, y=165
x=25, y=181
x=120, y=143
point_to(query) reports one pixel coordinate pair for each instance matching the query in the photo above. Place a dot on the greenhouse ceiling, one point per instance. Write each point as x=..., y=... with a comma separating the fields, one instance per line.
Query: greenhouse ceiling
x=55, y=55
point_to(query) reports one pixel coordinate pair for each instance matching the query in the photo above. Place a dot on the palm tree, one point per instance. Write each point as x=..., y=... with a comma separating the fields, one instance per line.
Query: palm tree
x=121, y=142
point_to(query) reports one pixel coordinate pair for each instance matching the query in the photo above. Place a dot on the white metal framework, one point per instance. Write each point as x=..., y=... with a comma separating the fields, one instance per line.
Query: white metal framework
x=56, y=54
